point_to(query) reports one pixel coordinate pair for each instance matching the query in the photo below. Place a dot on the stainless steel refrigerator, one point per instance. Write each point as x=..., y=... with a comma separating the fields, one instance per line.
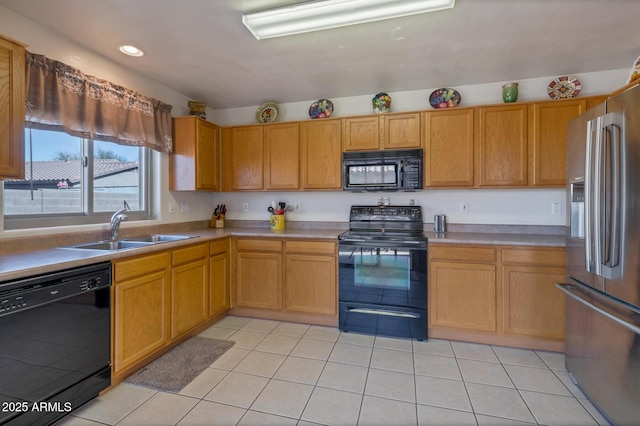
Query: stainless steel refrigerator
x=602, y=335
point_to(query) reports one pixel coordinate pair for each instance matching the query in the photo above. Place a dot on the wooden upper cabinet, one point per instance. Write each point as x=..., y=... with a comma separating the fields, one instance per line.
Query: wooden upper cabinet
x=360, y=133
x=399, y=131
x=321, y=154
x=385, y=131
x=448, y=148
x=12, y=96
x=281, y=156
x=548, y=140
x=242, y=157
x=195, y=161
x=501, y=145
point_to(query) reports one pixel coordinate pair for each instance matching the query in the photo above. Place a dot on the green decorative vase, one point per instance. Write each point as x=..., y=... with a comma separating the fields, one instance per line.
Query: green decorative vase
x=510, y=92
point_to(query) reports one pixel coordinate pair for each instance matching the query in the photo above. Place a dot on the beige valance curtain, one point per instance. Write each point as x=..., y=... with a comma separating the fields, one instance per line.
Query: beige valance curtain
x=62, y=98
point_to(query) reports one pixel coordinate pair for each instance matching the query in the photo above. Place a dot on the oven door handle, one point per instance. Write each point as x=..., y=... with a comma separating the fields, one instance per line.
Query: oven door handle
x=383, y=312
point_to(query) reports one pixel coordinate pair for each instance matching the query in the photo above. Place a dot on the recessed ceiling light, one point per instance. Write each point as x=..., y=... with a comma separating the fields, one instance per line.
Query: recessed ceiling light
x=131, y=50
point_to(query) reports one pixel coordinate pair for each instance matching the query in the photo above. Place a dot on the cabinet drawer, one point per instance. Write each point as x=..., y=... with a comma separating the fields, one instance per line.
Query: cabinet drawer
x=534, y=256
x=189, y=254
x=219, y=246
x=259, y=245
x=314, y=247
x=141, y=265
x=463, y=253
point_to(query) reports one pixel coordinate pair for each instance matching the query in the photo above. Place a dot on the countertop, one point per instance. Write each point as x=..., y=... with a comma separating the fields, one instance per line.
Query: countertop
x=23, y=264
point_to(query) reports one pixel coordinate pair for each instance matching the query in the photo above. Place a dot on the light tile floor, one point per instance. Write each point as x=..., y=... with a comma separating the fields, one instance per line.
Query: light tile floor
x=280, y=373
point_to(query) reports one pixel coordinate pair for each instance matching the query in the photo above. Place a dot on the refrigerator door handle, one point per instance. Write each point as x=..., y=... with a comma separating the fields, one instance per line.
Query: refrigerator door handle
x=591, y=198
x=573, y=292
x=611, y=206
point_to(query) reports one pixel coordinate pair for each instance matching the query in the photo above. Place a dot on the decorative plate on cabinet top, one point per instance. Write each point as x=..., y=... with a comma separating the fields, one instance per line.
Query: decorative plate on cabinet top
x=444, y=98
x=322, y=108
x=267, y=113
x=564, y=87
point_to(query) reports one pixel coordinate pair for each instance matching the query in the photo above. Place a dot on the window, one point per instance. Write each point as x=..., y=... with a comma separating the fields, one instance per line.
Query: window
x=70, y=180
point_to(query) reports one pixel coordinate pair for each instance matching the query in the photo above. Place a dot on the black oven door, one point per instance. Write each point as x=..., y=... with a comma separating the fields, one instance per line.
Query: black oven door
x=395, y=276
x=383, y=290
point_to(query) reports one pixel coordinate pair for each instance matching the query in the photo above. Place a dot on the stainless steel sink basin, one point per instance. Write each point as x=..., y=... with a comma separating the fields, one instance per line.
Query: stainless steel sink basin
x=158, y=238
x=112, y=245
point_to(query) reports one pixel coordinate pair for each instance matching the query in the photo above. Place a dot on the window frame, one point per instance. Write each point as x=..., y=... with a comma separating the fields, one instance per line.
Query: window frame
x=88, y=216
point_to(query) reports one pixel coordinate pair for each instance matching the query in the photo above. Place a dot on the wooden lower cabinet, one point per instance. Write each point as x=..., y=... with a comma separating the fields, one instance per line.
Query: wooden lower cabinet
x=463, y=295
x=189, y=288
x=141, y=308
x=219, y=267
x=310, y=284
x=161, y=299
x=497, y=294
x=291, y=280
x=258, y=274
x=533, y=306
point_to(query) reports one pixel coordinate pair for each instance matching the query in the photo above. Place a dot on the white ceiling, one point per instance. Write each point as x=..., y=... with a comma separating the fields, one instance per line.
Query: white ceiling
x=201, y=49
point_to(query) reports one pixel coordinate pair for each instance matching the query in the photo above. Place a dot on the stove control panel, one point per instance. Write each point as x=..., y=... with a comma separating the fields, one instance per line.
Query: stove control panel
x=386, y=213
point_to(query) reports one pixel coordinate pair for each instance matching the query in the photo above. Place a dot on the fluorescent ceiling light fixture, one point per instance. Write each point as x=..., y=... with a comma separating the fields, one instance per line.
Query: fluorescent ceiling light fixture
x=131, y=50
x=325, y=14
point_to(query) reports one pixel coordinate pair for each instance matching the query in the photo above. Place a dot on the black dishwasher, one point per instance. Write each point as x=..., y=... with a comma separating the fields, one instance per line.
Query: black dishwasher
x=55, y=343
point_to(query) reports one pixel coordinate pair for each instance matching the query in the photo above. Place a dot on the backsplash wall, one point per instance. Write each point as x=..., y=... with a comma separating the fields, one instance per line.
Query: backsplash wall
x=486, y=206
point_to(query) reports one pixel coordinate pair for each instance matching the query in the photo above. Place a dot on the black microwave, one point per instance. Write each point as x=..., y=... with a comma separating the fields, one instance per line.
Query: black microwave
x=382, y=170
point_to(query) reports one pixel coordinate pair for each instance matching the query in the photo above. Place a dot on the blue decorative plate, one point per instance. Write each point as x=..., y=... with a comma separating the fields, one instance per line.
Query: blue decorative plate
x=322, y=108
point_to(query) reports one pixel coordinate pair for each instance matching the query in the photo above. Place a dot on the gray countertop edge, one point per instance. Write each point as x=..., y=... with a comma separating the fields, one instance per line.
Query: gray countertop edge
x=23, y=264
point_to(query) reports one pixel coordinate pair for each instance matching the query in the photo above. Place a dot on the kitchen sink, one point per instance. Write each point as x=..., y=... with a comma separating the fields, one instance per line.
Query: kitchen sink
x=158, y=238
x=131, y=243
x=112, y=245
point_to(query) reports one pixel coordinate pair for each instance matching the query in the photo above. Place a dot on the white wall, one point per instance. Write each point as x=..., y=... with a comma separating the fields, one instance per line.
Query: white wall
x=486, y=206
x=595, y=83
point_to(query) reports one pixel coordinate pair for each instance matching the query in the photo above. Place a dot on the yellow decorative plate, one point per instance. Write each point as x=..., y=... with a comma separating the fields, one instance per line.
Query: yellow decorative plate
x=267, y=113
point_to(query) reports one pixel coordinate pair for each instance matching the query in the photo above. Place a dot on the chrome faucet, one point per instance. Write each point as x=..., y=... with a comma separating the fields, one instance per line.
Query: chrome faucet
x=116, y=219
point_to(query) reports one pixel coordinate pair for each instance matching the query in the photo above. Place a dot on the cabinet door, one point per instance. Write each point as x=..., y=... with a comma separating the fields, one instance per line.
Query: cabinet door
x=501, y=146
x=258, y=280
x=448, y=141
x=548, y=140
x=533, y=306
x=243, y=158
x=189, y=305
x=207, y=157
x=141, y=317
x=463, y=296
x=12, y=95
x=321, y=154
x=360, y=133
x=311, y=284
x=281, y=159
x=218, y=283
x=195, y=162
x=401, y=131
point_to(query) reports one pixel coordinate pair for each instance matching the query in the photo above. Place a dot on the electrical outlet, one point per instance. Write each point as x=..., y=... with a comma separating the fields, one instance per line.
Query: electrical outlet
x=172, y=206
x=412, y=202
x=245, y=207
x=556, y=208
x=464, y=207
x=297, y=207
x=184, y=207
